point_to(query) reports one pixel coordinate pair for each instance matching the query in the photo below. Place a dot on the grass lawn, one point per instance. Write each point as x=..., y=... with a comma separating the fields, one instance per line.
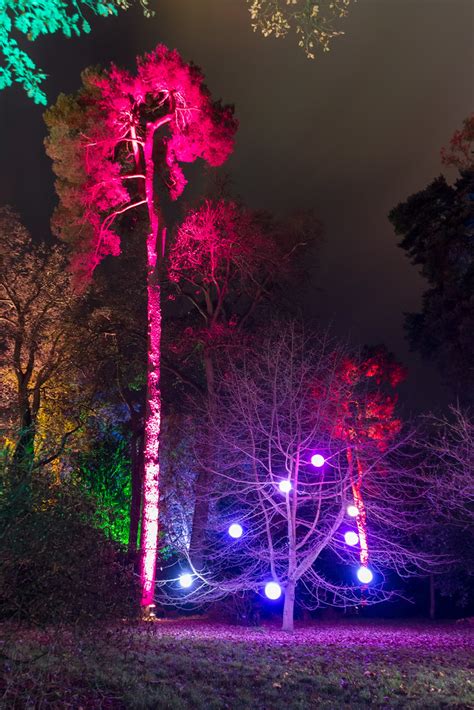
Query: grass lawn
x=197, y=664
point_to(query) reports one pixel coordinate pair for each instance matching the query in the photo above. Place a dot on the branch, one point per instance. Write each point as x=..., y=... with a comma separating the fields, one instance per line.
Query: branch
x=48, y=459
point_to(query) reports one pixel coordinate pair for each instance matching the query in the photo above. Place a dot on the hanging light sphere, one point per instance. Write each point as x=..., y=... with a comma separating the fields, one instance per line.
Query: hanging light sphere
x=364, y=575
x=186, y=580
x=272, y=590
x=317, y=460
x=235, y=530
x=285, y=486
x=352, y=511
x=351, y=538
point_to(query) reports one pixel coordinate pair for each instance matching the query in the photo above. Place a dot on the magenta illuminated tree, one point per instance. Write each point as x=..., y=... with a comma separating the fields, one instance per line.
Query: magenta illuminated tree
x=117, y=146
x=223, y=261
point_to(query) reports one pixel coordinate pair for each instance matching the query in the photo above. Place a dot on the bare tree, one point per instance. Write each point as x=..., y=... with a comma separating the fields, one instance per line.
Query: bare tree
x=451, y=457
x=35, y=308
x=448, y=445
x=279, y=405
x=226, y=263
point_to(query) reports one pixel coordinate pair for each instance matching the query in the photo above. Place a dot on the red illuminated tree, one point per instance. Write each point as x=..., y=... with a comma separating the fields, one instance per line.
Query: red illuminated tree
x=367, y=416
x=460, y=153
x=118, y=146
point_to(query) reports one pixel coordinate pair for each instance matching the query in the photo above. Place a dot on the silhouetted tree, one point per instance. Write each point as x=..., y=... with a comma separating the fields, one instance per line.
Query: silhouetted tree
x=437, y=230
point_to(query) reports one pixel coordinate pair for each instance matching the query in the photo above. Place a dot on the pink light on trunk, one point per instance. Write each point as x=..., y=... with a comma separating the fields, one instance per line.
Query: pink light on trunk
x=149, y=534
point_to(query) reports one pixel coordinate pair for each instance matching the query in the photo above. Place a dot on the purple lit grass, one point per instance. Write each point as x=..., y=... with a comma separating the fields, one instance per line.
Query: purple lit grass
x=198, y=663
x=342, y=634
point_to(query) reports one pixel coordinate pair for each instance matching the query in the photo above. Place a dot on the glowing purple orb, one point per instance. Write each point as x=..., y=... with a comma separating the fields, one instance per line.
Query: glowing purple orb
x=351, y=538
x=353, y=511
x=364, y=575
x=272, y=590
x=186, y=580
x=317, y=460
x=285, y=486
x=235, y=530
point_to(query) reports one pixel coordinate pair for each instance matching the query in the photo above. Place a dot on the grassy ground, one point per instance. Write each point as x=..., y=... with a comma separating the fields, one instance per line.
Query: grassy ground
x=194, y=664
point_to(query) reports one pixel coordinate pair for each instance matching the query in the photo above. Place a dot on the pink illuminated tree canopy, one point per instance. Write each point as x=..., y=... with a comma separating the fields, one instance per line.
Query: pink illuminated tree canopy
x=116, y=146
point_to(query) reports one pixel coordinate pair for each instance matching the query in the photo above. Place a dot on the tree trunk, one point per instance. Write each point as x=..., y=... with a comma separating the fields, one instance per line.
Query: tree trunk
x=149, y=528
x=23, y=455
x=289, y=607
x=204, y=479
x=137, y=488
x=432, y=597
x=200, y=520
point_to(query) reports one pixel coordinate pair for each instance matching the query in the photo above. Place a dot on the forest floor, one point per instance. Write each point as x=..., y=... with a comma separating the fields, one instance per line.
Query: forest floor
x=189, y=663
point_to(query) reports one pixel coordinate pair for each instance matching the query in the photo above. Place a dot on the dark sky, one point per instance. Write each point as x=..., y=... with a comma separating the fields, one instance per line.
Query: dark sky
x=350, y=134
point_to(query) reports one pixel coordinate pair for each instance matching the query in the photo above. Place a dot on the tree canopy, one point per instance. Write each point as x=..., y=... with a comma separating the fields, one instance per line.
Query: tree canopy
x=34, y=18
x=437, y=228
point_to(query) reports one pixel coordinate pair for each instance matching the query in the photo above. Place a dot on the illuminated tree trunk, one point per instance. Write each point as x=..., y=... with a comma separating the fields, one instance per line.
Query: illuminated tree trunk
x=149, y=531
x=151, y=474
x=361, y=519
x=289, y=607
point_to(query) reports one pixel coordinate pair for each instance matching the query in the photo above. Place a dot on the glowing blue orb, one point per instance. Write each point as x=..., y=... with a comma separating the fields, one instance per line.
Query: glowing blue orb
x=186, y=580
x=351, y=538
x=364, y=575
x=272, y=590
x=317, y=460
x=353, y=511
x=285, y=486
x=235, y=530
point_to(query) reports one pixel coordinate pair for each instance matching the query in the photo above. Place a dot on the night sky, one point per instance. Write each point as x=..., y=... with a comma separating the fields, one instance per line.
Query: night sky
x=349, y=135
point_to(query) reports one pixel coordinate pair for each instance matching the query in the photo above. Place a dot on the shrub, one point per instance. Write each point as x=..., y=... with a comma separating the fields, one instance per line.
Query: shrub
x=55, y=565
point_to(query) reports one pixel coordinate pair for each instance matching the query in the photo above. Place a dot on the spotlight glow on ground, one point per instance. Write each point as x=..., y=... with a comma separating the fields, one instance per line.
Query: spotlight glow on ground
x=317, y=460
x=186, y=580
x=285, y=486
x=272, y=590
x=351, y=538
x=235, y=530
x=364, y=575
x=353, y=511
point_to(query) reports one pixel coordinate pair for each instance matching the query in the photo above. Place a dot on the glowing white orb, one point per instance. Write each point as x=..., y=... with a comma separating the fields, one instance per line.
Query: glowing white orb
x=272, y=590
x=285, y=486
x=186, y=580
x=235, y=530
x=351, y=538
x=317, y=460
x=353, y=511
x=364, y=575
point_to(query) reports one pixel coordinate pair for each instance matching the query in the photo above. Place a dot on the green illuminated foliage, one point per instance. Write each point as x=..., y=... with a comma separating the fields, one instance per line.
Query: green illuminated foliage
x=104, y=473
x=33, y=18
